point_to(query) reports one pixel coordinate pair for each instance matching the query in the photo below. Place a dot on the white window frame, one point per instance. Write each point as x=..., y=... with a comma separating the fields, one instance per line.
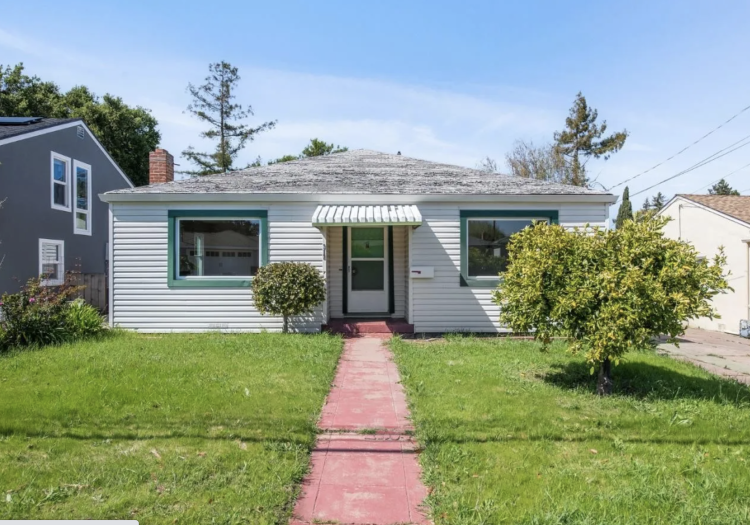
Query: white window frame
x=68, y=165
x=74, y=204
x=61, y=274
x=176, y=260
x=495, y=219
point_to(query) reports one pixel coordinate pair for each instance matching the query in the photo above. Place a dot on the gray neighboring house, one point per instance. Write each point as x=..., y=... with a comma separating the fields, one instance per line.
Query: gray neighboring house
x=50, y=171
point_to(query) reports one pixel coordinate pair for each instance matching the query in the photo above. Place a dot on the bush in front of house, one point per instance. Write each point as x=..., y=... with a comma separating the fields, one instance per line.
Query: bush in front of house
x=288, y=289
x=607, y=291
x=44, y=315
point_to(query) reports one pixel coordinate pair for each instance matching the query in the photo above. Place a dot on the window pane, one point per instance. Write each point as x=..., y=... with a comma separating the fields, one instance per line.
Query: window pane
x=368, y=242
x=368, y=275
x=82, y=220
x=50, y=272
x=59, y=170
x=50, y=253
x=82, y=188
x=60, y=194
x=210, y=247
x=488, y=245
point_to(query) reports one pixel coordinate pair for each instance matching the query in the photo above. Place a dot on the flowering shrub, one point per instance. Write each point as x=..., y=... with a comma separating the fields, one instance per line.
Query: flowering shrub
x=43, y=315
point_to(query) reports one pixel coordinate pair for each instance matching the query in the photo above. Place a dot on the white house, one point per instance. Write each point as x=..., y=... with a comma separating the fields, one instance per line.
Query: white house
x=708, y=222
x=396, y=238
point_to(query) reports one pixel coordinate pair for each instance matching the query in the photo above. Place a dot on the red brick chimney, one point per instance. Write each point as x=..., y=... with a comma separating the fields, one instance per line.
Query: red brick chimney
x=160, y=167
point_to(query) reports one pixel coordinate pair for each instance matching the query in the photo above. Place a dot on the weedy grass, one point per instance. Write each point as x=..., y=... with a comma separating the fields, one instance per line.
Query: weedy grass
x=514, y=435
x=205, y=428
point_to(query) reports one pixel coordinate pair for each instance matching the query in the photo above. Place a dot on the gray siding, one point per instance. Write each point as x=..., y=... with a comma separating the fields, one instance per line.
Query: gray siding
x=27, y=215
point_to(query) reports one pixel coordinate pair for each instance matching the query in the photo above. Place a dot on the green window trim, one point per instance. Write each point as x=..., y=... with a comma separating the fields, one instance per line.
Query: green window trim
x=174, y=282
x=551, y=215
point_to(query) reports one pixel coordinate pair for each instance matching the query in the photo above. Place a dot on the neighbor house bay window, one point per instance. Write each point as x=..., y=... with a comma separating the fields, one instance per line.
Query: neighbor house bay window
x=60, y=180
x=82, y=200
x=216, y=248
x=485, y=235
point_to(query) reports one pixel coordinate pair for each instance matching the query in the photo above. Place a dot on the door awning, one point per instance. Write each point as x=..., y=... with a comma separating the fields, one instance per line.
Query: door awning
x=407, y=215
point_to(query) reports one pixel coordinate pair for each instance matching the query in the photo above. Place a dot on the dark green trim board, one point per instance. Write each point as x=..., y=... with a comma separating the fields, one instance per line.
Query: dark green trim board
x=391, y=293
x=345, y=272
x=551, y=215
x=172, y=277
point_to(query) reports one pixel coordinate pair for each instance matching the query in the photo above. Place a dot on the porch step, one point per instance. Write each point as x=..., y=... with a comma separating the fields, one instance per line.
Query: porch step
x=368, y=326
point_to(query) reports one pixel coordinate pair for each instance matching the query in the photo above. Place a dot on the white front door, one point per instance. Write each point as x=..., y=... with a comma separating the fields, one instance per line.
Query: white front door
x=368, y=270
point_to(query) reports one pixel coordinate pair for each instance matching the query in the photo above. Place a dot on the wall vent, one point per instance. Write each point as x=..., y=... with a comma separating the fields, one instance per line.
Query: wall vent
x=79, y=132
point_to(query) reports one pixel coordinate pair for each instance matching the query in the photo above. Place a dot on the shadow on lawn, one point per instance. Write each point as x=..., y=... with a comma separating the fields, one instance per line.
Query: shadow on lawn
x=647, y=381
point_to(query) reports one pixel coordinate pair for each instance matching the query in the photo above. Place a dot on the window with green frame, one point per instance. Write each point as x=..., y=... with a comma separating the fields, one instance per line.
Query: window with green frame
x=216, y=248
x=484, y=241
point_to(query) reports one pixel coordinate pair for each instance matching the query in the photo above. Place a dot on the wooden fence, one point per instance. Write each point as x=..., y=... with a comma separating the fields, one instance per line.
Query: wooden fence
x=95, y=288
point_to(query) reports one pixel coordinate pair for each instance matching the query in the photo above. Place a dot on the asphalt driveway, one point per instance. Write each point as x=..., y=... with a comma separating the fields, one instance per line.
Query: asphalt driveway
x=723, y=354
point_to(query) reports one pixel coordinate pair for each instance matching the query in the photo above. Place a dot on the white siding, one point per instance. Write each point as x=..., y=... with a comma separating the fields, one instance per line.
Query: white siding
x=441, y=304
x=142, y=299
x=707, y=231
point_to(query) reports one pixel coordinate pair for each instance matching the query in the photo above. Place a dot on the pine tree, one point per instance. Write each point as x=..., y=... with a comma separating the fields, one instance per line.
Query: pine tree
x=316, y=148
x=625, y=213
x=213, y=103
x=722, y=188
x=582, y=136
x=658, y=201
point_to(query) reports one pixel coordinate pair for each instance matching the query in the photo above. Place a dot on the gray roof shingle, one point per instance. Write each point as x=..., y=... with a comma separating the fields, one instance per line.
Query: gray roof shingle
x=362, y=172
x=21, y=129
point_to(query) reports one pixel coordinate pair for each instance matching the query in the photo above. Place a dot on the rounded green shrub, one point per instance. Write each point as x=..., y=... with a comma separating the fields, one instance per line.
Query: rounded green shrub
x=83, y=320
x=288, y=289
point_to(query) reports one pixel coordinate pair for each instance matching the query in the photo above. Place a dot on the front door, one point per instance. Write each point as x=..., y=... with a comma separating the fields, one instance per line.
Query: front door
x=368, y=270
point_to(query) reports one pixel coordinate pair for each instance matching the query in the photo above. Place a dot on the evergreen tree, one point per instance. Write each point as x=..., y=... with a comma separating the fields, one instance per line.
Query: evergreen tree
x=316, y=148
x=625, y=213
x=582, y=136
x=658, y=201
x=722, y=188
x=213, y=103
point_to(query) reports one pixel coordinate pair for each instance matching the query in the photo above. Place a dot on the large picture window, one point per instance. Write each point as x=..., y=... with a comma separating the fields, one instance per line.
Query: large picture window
x=82, y=198
x=216, y=248
x=484, y=242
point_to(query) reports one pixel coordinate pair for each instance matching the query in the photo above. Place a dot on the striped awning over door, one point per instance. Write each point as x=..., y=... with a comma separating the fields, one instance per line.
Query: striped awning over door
x=397, y=215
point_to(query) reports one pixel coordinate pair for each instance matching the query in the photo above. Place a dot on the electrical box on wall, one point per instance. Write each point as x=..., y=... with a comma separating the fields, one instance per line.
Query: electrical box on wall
x=422, y=272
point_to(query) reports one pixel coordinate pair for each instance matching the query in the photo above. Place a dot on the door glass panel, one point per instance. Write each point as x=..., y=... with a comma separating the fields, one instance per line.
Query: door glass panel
x=368, y=275
x=368, y=243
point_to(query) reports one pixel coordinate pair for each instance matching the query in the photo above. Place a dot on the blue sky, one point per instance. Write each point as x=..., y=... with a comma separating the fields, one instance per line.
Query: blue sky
x=446, y=81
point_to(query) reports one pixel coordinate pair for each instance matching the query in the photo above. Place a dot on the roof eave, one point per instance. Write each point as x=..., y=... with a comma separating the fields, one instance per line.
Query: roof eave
x=352, y=198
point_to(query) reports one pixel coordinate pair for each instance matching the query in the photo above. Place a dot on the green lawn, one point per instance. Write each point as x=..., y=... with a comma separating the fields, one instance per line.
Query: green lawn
x=512, y=435
x=164, y=428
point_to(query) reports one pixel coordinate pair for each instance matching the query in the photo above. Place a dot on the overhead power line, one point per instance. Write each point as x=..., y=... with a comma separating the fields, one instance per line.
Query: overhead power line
x=720, y=178
x=699, y=164
x=740, y=112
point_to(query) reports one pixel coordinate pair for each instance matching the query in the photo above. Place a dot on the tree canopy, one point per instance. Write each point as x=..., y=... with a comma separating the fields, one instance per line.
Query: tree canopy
x=607, y=291
x=127, y=133
x=722, y=188
x=538, y=162
x=214, y=103
x=315, y=148
x=625, y=213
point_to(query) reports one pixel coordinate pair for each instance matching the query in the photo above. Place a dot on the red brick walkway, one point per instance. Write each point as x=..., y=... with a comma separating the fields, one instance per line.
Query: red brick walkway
x=366, y=478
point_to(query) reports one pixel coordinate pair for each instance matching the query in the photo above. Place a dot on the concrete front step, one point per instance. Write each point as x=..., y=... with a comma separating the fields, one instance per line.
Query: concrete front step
x=368, y=326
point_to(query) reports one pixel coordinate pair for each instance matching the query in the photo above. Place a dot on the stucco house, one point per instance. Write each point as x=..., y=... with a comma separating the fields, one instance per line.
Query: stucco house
x=395, y=237
x=50, y=172
x=708, y=222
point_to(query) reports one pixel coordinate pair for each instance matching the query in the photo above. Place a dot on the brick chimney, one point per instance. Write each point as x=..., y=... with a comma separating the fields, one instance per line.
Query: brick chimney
x=160, y=167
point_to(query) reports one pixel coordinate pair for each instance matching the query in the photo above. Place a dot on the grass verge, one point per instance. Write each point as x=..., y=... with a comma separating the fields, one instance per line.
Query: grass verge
x=203, y=428
x=513, y=435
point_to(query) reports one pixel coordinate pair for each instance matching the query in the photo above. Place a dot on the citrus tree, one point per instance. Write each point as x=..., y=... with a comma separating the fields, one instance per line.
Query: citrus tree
x=288, y=289
x=606, y=291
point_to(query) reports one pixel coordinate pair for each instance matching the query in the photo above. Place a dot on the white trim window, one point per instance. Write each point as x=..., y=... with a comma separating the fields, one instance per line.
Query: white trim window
x=82, y=198
x=60, y=182
x=51, y=262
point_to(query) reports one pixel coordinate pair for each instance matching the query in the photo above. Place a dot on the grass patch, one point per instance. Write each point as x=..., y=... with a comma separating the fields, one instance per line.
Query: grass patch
x=513, y=435
x=203, y=428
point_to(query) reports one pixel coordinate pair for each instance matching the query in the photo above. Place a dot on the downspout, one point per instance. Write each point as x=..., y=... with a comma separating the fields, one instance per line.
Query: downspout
x=679, y=221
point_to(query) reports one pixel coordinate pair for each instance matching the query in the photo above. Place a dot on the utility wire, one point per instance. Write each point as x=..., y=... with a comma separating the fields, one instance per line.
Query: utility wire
x=724, y=177
x=683, y=149
x=697, y=165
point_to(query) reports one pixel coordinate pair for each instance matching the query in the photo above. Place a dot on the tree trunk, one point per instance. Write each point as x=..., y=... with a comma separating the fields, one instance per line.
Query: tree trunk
x=285, y=328
x=604, y=385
